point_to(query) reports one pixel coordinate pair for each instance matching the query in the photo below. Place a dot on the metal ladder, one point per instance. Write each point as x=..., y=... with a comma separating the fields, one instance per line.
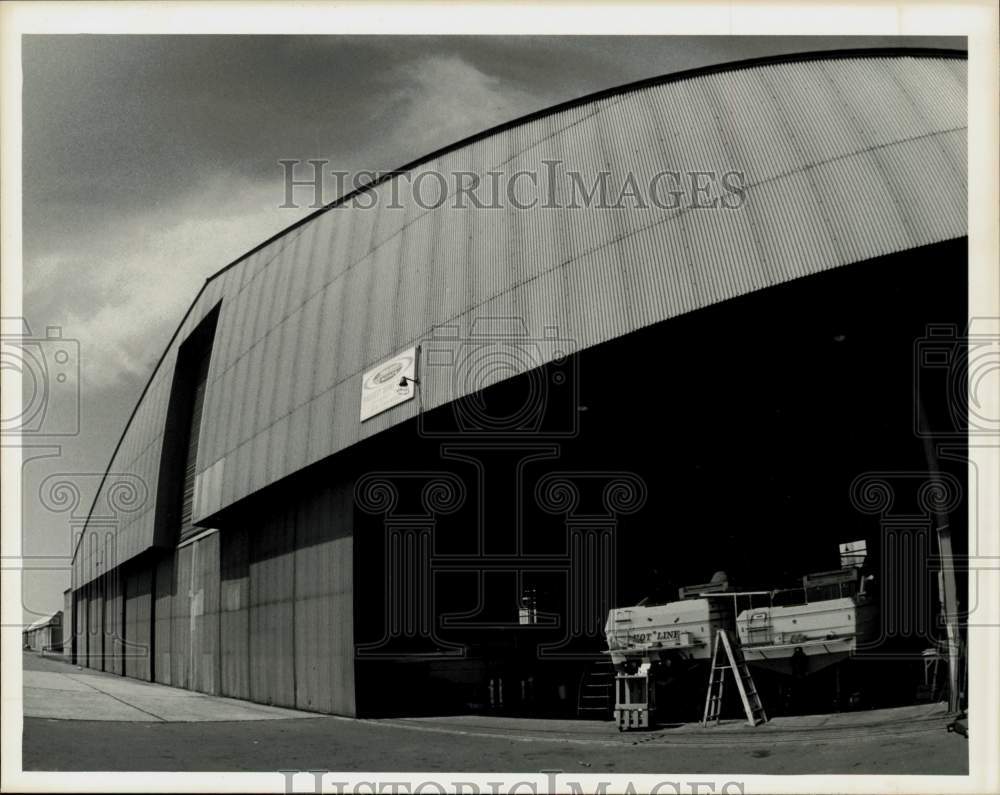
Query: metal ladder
x=744, y=683
x=596, y=691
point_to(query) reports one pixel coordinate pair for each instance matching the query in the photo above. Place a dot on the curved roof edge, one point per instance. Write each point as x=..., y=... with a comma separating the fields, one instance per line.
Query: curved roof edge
x=637, y=85
x=670, y=77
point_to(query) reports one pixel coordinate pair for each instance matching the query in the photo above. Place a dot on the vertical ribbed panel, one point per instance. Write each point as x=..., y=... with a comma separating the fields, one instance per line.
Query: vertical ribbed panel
x=271, y=573
x=179, y=643
x=324, y=602
x=114, y=629
x=138, y=622
x=163, y=605
x=234, y=615
x=842, y=159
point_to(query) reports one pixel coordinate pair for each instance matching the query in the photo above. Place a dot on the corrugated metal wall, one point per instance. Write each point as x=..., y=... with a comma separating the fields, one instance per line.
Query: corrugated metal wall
x=95, y=626
x=114, y=629
x=138, y=621
x=262, y=610
x=69, y=624
x=163, y=592
x=234, y=617
x=324, y=602
x=846, y=159
x=272, y=584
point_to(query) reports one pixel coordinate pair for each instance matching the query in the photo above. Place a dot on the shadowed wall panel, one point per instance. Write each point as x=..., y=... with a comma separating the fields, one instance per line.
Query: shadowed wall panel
x=95, y=625
x=114, y=629
x=324, y=606
x=180, y=624
x=234, y=627
x=138, y=620
x=272, y=571
x=204, y=613
x=163, y=617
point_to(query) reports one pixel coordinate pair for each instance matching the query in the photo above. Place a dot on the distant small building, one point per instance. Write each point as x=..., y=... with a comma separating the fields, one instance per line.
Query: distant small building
x=46, y=634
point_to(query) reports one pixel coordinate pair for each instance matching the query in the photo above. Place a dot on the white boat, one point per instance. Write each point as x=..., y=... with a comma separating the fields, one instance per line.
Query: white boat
x=821, y=626
x=793, y=631
x=683, y=629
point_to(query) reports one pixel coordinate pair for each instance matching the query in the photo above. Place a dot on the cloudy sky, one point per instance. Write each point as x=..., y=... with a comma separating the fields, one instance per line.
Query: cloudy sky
x=152, y=161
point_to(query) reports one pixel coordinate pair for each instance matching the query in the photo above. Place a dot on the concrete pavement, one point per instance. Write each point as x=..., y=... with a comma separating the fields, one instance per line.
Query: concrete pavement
x=56, y=689
x=76, y=719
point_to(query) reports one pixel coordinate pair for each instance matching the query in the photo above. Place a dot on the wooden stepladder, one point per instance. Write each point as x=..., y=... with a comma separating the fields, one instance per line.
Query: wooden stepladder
x=735, y=662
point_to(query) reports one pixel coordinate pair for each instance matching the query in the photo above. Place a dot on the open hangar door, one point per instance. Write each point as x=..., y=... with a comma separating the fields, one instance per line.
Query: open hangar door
x=751, y=437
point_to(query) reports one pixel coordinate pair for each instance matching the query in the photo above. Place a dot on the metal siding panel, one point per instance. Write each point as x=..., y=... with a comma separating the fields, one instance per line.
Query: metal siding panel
x=327, y=362
x=113, y=629
x=812, y=108
x=863, y=212
x=163, y=591
x=934, y=208
x=267, y=378
x=655, y=264
x=955, y=146
x=416, y=268
x=239, y=404
x=339, y=255
x=204, y=661
x=354, y=317
x=324, y=625
x=935, y=93
x=297, y=445
x=234, y=627
x=872, y=100
x=794, y=232
x=325, y=227
x=138, y=621
x=272, y=676
x=180, y=625
x=284, y=368
x=95, y=626
x=310, y=345
x=321, y=428
x=277, y=449
x=379, y=303
x=81, y=614
x=258, y=461
x=299, y=267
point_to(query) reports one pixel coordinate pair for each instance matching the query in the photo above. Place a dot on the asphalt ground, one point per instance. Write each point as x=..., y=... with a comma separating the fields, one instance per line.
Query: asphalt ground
x=81, y=720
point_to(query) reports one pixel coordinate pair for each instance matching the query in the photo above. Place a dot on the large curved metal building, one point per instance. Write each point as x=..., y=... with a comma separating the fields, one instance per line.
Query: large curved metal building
x=226, y=550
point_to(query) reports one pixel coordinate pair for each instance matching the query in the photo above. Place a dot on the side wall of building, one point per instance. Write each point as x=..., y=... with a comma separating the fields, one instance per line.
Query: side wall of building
x=261, y=609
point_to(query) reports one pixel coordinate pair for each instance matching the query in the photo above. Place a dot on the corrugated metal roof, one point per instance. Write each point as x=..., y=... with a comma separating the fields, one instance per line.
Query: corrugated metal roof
x=846, y=157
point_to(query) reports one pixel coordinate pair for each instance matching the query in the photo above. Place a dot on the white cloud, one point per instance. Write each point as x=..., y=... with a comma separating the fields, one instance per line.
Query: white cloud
x=445, y=98
x=121, y=292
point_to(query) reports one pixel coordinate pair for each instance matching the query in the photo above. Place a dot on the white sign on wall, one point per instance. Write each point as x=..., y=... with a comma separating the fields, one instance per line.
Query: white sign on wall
x=380, y=386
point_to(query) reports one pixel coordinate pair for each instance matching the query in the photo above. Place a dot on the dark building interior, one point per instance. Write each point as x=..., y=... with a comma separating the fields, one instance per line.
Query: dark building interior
x=727, y=439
